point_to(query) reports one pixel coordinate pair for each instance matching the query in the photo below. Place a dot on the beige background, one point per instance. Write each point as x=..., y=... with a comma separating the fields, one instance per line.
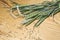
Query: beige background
x=11, y=29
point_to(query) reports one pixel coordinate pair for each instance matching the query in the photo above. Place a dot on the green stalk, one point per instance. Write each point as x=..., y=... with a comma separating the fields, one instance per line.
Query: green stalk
x=40, y=21
x=31, y=21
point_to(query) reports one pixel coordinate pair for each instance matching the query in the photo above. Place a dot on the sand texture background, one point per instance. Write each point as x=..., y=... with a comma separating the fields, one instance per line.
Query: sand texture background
x=11, y=29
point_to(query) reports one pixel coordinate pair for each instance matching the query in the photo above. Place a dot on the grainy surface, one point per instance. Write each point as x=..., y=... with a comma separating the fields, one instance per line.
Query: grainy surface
x=11, y=29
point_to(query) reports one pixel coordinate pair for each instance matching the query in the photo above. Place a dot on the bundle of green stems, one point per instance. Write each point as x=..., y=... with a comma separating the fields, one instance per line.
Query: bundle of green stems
x=37, y=11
